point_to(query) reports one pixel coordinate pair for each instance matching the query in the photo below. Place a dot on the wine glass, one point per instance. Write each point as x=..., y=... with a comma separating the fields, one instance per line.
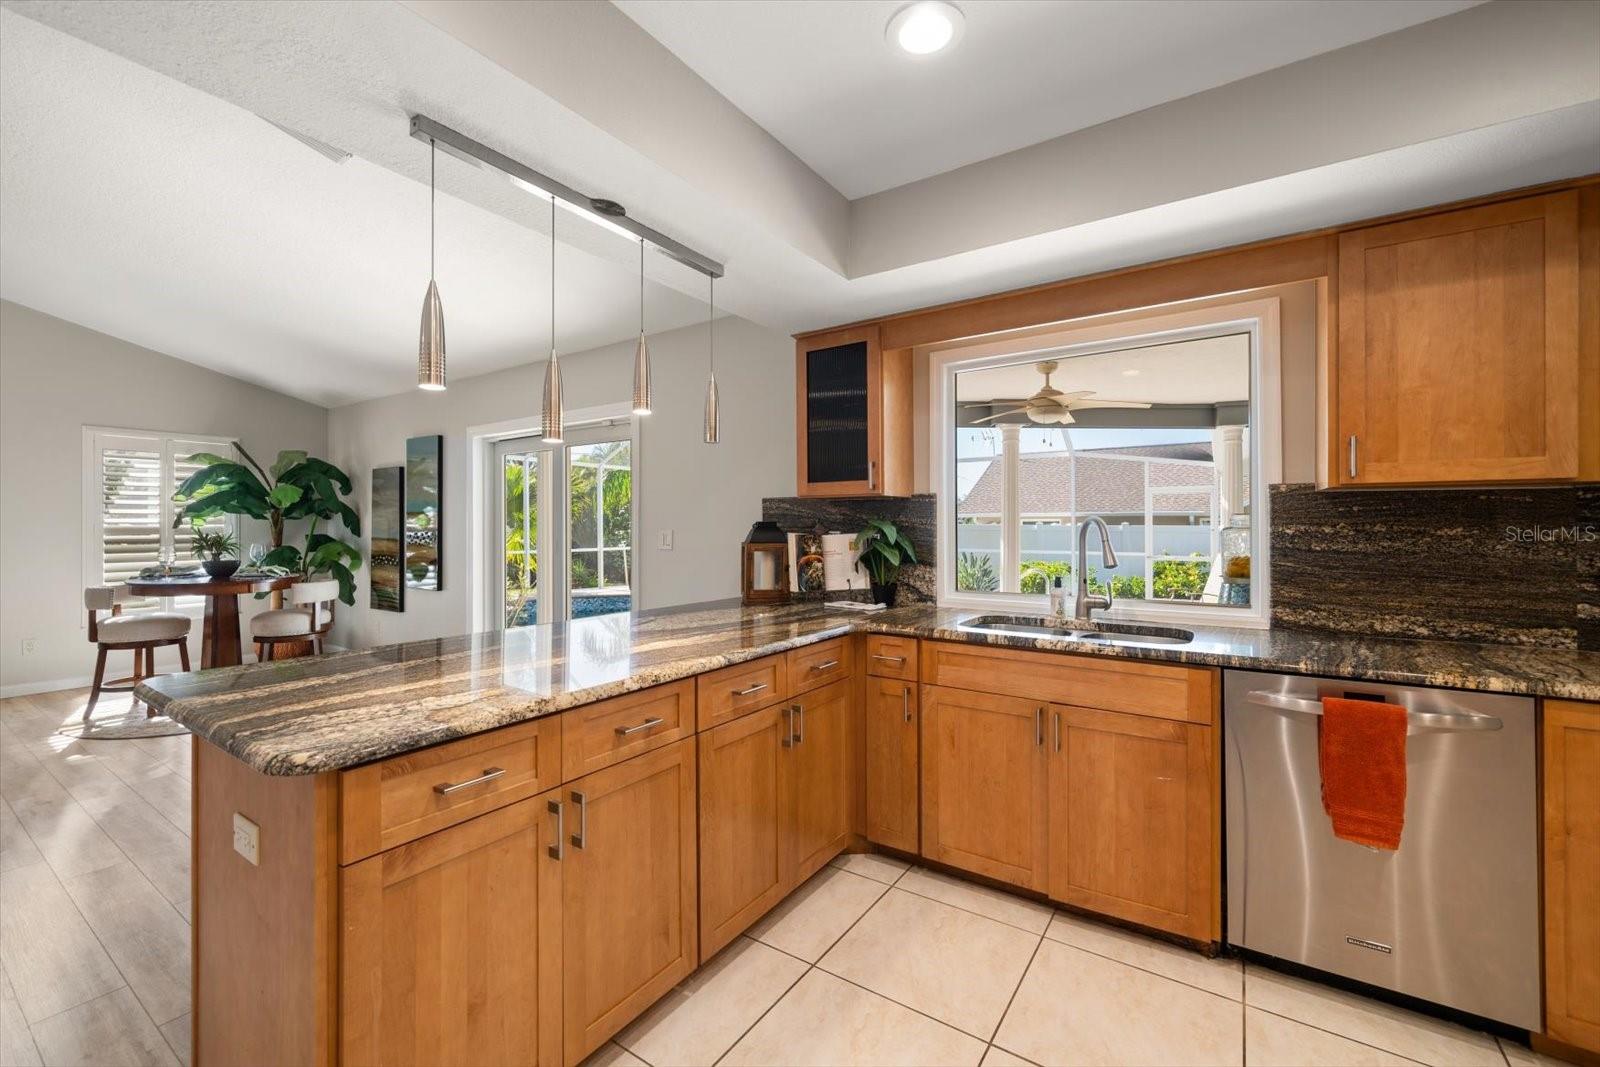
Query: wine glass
x=168, y=558
x=258, y=552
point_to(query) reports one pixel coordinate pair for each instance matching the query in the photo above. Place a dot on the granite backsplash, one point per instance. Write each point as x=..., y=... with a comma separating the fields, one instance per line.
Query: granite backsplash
x=912, y=515
x=1506, y=566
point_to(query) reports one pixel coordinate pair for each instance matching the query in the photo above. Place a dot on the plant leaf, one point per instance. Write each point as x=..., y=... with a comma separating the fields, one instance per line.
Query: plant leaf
x=285, y=494
x=286, y=459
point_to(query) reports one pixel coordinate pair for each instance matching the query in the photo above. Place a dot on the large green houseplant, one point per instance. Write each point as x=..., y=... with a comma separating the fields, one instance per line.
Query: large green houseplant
x=882, y=549
x=295, y=487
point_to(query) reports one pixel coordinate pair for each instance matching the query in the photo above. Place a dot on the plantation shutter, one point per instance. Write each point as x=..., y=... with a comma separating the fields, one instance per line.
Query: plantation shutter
x=134, y=476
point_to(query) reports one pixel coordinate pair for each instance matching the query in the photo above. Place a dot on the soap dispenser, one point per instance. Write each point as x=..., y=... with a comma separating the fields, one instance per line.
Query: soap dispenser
x=1058, y=598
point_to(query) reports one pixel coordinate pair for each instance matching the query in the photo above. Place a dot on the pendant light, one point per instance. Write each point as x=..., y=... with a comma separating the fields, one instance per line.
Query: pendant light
x=713, y=415
x=430, y=349
x=642, y=395
x=552, y=415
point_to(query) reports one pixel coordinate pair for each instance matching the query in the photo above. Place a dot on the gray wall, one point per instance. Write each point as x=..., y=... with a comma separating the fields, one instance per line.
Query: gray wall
x=55, y=379
x=708, y=495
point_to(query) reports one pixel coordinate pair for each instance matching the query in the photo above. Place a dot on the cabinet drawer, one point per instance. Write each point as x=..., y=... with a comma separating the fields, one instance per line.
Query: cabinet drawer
x=732, y=691
x=817, y=665
x=892, y=657
x=397, y=800
x=1159, y=689
x=613, y=730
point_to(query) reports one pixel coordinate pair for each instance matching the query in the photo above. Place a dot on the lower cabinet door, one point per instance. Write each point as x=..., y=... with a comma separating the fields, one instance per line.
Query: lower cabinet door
x=891, y=763
x=450, y=946
x=983, y=784
x=628, y=907
x=746, y=861
x=1134, y=819
x=823, y=800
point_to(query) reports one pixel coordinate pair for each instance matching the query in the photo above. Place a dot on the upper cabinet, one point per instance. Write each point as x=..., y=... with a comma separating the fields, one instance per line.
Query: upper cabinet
x=1458, y=348
x=853, y=415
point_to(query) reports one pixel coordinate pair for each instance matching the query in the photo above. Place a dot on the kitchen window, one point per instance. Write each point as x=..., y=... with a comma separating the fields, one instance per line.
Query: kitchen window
x=129, y=478
x=1166, y=428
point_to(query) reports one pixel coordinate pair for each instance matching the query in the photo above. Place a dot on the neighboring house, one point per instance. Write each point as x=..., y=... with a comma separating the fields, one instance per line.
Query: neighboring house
x=1110, y=482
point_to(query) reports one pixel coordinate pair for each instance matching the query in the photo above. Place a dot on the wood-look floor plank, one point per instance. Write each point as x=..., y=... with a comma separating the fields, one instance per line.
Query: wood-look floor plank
x=156, y=847
x=70, y=840
x=56, y=960
x=180, y=1035
x=16, y=1040
x=110, y=1031
x=16, y=847
x=145, y=936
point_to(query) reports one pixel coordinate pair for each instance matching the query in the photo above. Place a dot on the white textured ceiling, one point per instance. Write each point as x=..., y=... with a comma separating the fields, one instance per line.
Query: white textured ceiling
x=822, y=79
x=140, y=207
x=139, y=195
x=1211, y=370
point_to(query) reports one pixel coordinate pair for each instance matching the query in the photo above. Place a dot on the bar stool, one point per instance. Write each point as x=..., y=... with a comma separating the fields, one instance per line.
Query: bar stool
x=309, y=618
x=141, y=634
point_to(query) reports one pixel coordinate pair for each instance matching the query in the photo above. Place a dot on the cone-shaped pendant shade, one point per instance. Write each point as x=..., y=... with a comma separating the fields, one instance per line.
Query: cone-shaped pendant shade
x=642, y=395
x=552, y=420
x=430, y=350
x=713, y=415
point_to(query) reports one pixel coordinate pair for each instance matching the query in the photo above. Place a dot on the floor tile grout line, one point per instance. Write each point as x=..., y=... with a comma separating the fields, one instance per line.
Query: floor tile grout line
x=765, y=1012
x=1358, y=1041
x=1012, y=999
x=1146, y=970
x=971, y=911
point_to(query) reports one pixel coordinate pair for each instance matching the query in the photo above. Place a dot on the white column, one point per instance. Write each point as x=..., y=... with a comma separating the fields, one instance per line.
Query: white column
x=1227, y=452
x=1010, y=509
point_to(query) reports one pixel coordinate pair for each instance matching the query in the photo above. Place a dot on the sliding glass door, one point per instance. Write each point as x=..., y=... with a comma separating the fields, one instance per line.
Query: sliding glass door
x=566, y=522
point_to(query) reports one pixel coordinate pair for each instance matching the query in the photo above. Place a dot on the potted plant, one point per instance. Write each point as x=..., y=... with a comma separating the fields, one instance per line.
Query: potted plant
x=882, y=549
x=212, y=550
x=296, y=486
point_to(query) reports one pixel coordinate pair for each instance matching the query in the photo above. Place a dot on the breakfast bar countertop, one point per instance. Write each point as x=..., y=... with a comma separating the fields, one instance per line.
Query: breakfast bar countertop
x=315, y=714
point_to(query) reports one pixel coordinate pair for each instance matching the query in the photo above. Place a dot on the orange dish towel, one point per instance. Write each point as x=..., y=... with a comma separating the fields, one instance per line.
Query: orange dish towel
x=1361, y=751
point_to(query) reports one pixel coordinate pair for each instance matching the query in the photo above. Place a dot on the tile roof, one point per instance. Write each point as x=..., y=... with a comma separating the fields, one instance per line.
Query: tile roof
x=1107, y=482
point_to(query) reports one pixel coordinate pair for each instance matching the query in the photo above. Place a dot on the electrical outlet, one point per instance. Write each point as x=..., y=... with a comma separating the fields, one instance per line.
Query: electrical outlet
x=247, y=839
x=664, y=540
x=30, y=646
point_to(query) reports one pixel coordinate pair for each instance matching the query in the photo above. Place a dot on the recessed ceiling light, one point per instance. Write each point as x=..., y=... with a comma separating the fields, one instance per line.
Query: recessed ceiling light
x=1130, y=374
x=924, y=28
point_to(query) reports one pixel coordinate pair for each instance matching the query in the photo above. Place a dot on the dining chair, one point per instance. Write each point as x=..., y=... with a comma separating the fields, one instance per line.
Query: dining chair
x=141, y=634
x=308, y=618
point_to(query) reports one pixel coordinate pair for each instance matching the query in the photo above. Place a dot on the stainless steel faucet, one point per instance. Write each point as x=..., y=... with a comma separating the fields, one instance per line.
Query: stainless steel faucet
x=1085, y=602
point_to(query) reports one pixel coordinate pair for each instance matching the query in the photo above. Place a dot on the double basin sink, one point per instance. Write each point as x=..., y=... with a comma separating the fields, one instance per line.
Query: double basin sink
x=1113, y=633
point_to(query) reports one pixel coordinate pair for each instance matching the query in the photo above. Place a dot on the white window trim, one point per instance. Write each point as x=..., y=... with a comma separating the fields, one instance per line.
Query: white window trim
x=92, y=548
x=482, y=534
x=1259, y=318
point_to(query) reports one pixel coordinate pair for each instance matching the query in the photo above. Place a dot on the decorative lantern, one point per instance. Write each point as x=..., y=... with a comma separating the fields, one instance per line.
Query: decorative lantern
x=766, y=565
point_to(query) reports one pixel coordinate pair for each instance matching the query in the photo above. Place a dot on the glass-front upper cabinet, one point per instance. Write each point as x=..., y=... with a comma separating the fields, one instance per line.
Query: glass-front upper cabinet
x=853, y=415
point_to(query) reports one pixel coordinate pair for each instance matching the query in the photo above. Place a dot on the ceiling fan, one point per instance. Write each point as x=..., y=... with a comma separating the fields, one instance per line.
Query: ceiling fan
x=1051, y=407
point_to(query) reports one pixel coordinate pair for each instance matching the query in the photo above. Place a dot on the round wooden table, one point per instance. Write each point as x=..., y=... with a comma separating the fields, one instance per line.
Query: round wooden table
x=219, y=641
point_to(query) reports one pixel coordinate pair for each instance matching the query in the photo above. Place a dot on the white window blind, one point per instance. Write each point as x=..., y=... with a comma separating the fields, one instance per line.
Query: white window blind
x=130, y=478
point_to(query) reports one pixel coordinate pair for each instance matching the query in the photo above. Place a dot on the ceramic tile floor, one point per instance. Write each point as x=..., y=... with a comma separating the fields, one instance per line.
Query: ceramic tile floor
x=875, y=962
x=870, y=962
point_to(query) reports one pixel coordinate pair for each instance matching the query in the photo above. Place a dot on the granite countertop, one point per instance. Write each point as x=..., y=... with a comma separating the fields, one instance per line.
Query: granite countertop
x=305, y=716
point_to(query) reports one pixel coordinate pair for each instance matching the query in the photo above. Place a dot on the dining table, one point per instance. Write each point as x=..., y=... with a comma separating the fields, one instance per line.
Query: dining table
x=220, y=645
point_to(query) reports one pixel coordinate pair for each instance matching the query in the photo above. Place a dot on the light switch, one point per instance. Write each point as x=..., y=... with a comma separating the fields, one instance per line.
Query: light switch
x=664, y=540
x=247, y=839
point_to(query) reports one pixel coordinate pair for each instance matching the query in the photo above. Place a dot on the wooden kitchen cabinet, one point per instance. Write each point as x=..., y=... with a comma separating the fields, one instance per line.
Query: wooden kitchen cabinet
x=984, y=770
x=891, y=762
x=450, y=947
x=1134, y=819
x=775, y=806
x=746, y=800
x=628, y=901
x=853, y=415
x=1458, y=347
x=1571, y=872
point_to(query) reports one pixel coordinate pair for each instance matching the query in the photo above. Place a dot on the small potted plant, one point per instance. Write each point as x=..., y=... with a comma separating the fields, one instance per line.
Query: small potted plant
x=882, y=549
x=212, y=550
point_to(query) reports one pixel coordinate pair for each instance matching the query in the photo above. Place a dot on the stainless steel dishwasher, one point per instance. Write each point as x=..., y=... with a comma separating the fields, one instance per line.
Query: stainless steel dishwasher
x=1452, y=916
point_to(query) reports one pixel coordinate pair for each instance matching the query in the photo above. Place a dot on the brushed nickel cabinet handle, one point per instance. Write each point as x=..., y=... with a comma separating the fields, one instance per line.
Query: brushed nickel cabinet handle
x=489, y=774
x=872, y=474
x=1038, y=726
x=828, y=666
x=582, y=835
x=1057, y=716
x=905, y=702
x=1353, y=447
x=650, y=723
x=788, y=726
x=758, y=687
x=888, y=659
x=558, y=850
x=800, y=734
